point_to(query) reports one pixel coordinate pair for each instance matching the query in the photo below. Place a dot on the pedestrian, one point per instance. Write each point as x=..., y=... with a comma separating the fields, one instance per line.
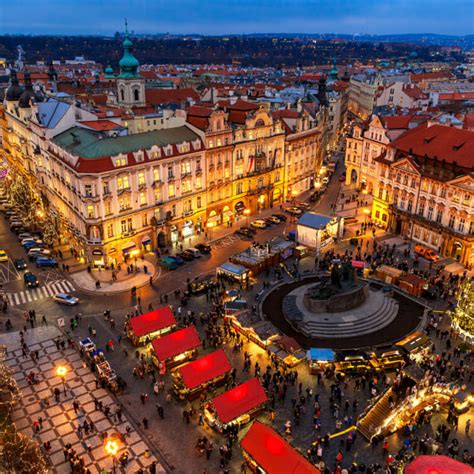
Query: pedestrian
x=145, y=423
x=161, y=411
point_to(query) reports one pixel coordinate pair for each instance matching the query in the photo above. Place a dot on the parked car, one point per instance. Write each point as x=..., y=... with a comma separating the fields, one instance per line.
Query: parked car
x=273, y=219
x=25, y=235
x=46, y=262
x=303, y=205
x=168, y=263
x=204, y=248
x=259, y=224
x=294, y=211
x=250, y=229
x=3, y=256
x=427, y=253
x=29, y=244
x=194, y=252
x=64, y=298
x=185, y=256
x=282, y=217
x=30, y=280
x=245, y=233
x=19, y=263
x=177, y=259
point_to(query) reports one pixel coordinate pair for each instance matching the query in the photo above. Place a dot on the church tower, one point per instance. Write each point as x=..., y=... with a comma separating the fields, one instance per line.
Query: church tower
x=130, y=85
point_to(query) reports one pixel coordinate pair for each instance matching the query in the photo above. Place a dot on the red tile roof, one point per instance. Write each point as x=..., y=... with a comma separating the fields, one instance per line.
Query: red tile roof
x=430, y=76
x=456, y=96
x=170, y=96
x=446, y=143
x=240, y=105
x=414, y=92
x=100, y=125
x=396, y=121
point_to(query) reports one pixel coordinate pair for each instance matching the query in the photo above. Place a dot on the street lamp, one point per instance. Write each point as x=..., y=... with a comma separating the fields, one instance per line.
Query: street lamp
x=61, y=371
x=246, y=213
x=111, y=448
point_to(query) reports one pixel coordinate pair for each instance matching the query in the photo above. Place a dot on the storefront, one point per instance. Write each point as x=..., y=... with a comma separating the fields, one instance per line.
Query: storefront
x=187, y=229
x=213, y=219
x=203, y=374
x=320, y=359
x=146, y=243
x=236, y=407
x=98, y=258
x=144, y=328
x=175, y=348
x=239, y=208
x=266, y=452
x=174, y=234
x=129, y=250
x=227, y=214
x=416, y=345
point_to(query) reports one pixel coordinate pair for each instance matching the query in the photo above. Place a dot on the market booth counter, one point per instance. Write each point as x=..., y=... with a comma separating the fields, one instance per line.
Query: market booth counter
x=175, y=348
x=412, y=284
x=390, y=275
x=288, y=351
x=388, y=359
x=146, y=327
x=352, y=363
x=320, y=359
x=416, y=345
x=190, y=380
x=234, y=271
x=266, y=452
x=236, y=407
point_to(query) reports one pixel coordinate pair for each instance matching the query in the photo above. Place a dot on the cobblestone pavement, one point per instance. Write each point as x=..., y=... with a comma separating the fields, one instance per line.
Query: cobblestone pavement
x=59, y=420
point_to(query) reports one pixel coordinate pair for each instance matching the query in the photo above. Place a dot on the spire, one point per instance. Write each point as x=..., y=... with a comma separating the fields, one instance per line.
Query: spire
x=333, y=73
x=129, y=63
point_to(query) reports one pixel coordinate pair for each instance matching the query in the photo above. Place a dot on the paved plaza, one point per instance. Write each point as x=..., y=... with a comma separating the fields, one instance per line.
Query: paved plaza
x=59, y=420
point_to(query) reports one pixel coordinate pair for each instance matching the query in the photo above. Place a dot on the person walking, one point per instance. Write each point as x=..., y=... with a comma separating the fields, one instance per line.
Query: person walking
x=160, y=410
x=145, y=423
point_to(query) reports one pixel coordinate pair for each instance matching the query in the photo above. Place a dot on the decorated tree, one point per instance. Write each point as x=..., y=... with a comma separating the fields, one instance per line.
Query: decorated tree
x=462, y=317
x=9, y=395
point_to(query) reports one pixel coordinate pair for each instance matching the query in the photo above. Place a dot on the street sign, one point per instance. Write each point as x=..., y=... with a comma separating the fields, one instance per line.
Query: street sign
x=61, y=322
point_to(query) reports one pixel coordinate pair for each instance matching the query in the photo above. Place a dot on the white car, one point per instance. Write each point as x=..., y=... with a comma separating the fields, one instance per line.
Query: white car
x=42, y=251
x=259, y=224
x=64, y=298
x=37, y=240
x=274, y=219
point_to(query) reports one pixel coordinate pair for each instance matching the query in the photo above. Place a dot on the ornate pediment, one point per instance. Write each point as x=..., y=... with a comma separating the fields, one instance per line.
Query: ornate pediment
x=405, y=165
x=464, y=182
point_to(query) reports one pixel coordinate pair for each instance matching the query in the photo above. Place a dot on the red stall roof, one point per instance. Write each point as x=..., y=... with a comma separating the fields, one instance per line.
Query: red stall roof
x=205, y=368
x=153, y=321
x=437, y=465
x=273, y=453
x=239, y=400
x=176, y=343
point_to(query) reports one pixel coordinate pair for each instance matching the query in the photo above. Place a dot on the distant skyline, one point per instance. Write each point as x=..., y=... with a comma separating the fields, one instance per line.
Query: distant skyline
x=220, y=17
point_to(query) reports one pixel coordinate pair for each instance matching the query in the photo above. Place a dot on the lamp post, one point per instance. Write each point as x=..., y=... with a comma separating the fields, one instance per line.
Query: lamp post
x=61, y=372
x=246, y=213
x=111, y=448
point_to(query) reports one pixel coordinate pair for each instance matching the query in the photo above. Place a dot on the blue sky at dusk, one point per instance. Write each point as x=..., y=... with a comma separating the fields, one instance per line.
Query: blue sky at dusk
x=237, y=16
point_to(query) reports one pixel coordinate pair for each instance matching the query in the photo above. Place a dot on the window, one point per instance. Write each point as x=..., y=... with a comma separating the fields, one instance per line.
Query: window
x=157, y=194
x=170, y=172
x=186, y=186
x=122, y=182
x=173, y=210
x=144, y=220
x=105, y=188
x=90, y=212
x=462, y=223
x=120, y=162
x=171, y=190
x=439, y=216
x=141, y=178
x=136, y=95
x=185, y=167
x=421, y=210
x=198, y=182
x=452, y=220
x=442, y=194
x=430, y=213
x=380, y=193
x=124, y=203
x=239, y=188
x=142, y=199
x=402, y=202
x=88, y=190
x=188, y=206
x=410, y=205
x=122, y=95
x=156, y=174
x=110, y=230
x=108, y=207
x=377, y=214
x=424, y=186
x=123, y=226
x=198, y=202
x=413, y=183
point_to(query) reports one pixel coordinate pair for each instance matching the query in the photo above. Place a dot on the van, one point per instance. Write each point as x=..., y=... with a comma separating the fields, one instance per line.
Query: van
x=427, y=253
x=168, y=263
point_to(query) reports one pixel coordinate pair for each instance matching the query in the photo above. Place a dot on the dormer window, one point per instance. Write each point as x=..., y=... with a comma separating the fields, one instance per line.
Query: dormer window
x=120, y=162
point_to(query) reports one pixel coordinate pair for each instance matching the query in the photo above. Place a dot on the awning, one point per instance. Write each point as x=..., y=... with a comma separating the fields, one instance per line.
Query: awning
x=323, y=355
x=213, y=219
x=274, y=454
x=146, y=240
x=233, y=268
x=128, y=246
x=153, y=321
x=176, y=343
x=239, y=400
x=205, y=369
x=97, y=252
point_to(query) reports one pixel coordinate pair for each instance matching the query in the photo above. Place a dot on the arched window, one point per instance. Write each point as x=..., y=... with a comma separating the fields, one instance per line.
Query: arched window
x=122, y=95
x=136, y=95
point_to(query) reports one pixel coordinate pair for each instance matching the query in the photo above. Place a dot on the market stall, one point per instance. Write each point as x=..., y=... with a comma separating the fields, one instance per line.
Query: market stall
x=263, y=333
x=233, y=271
x=234, y=306
x=202, y=374
x=265, y=451
x=412, y=284
x=175, y=348
x=107, y=375
x=145, y=327
x=415, y=345
x=320, y=359
x=352, y=363
x=390, y=275
x=290, y=353
x=236, y=406
x=437, y=465
x=387, y=359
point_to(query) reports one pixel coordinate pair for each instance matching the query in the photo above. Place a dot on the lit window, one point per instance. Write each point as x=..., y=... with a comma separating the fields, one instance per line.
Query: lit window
x=122, y=182
x=171, y=190
x=142, y=199
x=141, y=178
x=120, y=162
x=90, y=212
x=110, y=230
x=156, y=174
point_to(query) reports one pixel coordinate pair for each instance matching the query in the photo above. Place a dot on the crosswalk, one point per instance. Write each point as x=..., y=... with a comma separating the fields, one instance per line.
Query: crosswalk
x=39, y=293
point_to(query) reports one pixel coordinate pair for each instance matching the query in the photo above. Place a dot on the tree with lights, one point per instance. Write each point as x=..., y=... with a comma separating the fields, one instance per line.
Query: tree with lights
x=462, y=317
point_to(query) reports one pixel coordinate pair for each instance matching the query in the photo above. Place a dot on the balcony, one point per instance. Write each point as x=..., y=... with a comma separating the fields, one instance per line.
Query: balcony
x=94, y=241
x=187, y=174
x=198, y=171
x=124, y=190
x=188, y=213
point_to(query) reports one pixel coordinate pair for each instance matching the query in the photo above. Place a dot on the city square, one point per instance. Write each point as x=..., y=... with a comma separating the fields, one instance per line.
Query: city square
x=230, y=267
